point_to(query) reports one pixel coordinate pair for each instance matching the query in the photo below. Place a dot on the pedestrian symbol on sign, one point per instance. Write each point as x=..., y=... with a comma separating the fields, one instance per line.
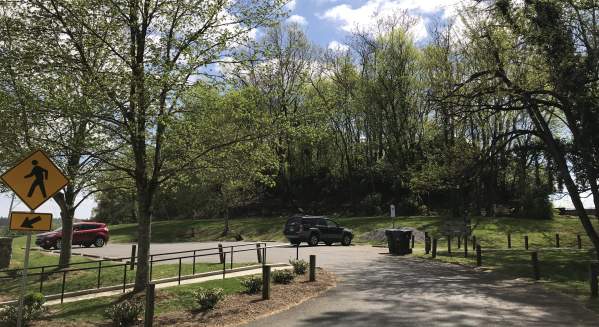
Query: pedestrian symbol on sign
x=35, y=179
x=40, y=174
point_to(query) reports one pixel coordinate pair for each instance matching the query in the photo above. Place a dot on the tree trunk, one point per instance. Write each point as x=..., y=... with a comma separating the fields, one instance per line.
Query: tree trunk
x=66, y=203
x=144, y=218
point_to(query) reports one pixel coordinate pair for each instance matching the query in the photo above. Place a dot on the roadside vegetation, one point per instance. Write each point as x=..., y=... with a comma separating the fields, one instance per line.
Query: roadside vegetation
x=183, y=303
x=87, y=279
x=271, y=229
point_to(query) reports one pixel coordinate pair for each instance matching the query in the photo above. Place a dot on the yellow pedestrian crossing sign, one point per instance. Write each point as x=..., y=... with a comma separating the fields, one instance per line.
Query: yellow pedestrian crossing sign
x=30, y=221
x=35, y=179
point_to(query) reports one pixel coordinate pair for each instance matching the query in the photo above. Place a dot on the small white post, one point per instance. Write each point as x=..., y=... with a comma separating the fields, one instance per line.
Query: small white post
x=392, y=214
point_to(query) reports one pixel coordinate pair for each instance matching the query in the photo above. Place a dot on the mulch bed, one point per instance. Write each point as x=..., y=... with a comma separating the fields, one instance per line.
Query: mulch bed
x=237, y=309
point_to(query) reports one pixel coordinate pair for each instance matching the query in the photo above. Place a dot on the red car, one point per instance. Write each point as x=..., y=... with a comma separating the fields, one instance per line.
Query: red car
x=86, y=234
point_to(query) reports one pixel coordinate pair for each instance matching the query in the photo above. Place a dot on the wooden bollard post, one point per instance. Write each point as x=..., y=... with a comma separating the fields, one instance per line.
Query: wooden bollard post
x=413, y=237
x=557, y=240
x=312, y=268
x=535, y=265
x=427, y=243
x=434, y=251
x=509, y=240
x=459, y=241
x=259, y=252
x=221, y=253
x=150, y=297
x=449, y=244
x=579, y=241
x=466, y=246
x=474, y=241
x=594, y=276
x=526, y=242
x=133, y=254
x=479, y=256
x=265, y=282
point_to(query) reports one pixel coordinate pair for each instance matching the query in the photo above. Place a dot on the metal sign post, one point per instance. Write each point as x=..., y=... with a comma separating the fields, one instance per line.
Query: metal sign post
x=392, y=214
x=24, y=281
x=35, y=180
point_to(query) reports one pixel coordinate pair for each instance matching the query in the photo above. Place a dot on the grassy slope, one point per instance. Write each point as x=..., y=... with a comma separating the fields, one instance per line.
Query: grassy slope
x=169, y=299
x=491, y=231
x=9, y=288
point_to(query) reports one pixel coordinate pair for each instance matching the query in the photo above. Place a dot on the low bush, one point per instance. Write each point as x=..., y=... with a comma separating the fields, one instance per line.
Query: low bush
x=252, y=284
x=207, y=298
x=282, y=276
x=33, y=308
x=125, y=313
x=299, y=266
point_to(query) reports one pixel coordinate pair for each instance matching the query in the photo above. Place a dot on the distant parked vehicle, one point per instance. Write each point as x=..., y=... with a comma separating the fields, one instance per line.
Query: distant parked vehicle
x=85, y=234
x=315, y=229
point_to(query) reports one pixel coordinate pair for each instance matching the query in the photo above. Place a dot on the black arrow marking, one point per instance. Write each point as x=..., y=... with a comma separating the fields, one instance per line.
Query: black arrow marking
x=28, y=223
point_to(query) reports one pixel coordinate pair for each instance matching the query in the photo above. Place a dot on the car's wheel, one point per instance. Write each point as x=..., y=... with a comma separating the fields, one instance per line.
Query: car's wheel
x=46, y=247
x=295, y=243
x=328, y=243
x=314, y=239
x=87, y=244
x=58, y=244
x=99, y=242
x=346, y=240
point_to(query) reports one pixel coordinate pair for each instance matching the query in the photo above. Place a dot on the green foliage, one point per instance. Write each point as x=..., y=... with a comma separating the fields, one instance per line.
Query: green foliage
x=125, y=313
x=208, y=298
x=299, y=266
x=252, y=284
x=33, y=308
x=285, y=276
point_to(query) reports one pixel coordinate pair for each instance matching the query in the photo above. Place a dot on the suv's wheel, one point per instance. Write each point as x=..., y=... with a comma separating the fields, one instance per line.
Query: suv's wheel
x=314, y=239
x=45, y=247
x=87, y=244
x=99, y=242
x=346, y=240
x=295, y=243
x=58, y=244
x=328, y=243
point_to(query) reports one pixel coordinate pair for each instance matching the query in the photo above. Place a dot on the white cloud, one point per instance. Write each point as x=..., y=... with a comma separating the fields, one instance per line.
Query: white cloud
x=291, y=5
x=350, y=18
x=300, y=20
x=337, y=46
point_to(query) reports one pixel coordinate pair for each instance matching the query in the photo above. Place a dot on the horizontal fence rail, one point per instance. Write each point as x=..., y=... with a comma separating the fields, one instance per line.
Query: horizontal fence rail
x=102, y=265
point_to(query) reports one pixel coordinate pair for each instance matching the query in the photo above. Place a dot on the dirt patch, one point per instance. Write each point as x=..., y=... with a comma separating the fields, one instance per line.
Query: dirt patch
x=240, y=308
x=235, y=309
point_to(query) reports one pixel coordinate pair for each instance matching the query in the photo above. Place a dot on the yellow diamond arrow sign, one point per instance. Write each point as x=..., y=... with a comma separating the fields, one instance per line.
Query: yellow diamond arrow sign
x=35, y=179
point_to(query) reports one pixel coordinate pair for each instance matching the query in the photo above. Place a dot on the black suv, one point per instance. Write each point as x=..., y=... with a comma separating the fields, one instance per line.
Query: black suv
x=314, y=229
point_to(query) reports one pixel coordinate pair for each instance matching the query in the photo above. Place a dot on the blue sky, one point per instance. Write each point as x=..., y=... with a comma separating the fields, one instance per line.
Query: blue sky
x=330, y=22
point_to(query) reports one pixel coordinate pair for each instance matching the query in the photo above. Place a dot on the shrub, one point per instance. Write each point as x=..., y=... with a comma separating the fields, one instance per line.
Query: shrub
x=125, y=313
x=282, y=276
x=33, y=308
x=252, y=284
x=207, y=298
x=299, y=266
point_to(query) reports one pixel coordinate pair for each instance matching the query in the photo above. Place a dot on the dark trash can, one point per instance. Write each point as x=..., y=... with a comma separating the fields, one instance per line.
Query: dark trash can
x=398, y=241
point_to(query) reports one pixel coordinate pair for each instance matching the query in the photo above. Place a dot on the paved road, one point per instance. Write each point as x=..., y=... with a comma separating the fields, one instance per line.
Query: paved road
x=404, y=291
x=327, y=256
x=376, y=289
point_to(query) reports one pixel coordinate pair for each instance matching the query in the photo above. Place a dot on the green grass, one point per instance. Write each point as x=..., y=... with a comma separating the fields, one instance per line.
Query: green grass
x=491, y=231
x=168, y=300
x=87, y=279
